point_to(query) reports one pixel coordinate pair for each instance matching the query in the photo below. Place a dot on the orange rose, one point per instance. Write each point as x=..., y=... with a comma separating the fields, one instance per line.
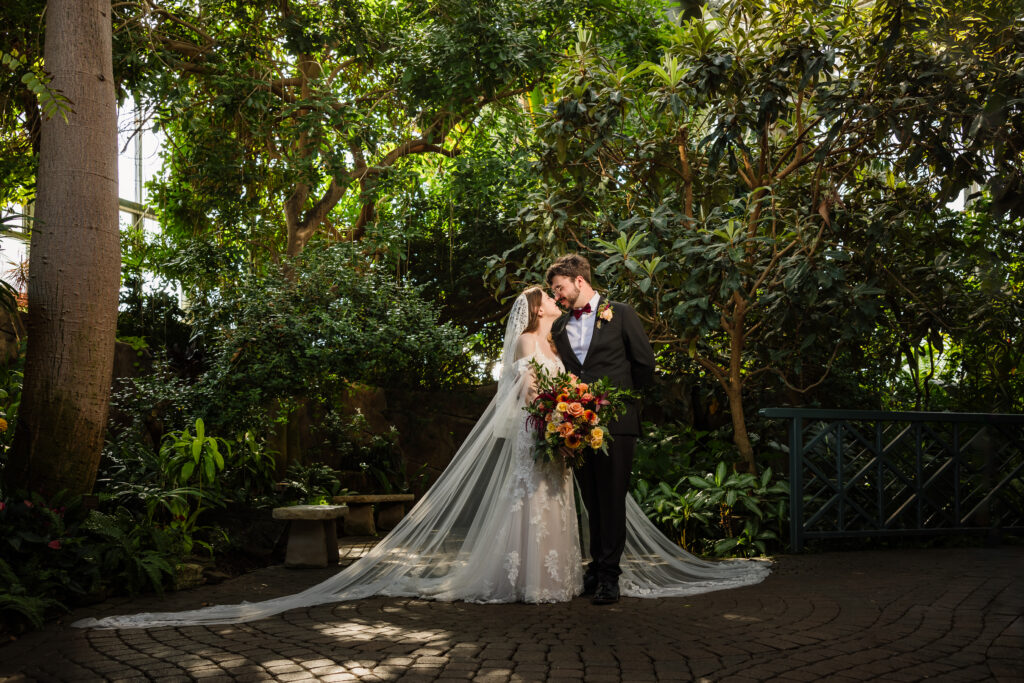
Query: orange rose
x=566, y=428
x=575, y=409
x=574, y=441
x=587, y=397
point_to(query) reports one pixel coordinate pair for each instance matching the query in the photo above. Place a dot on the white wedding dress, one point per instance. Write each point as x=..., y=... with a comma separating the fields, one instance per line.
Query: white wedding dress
x=494, y=527
x=536, y=552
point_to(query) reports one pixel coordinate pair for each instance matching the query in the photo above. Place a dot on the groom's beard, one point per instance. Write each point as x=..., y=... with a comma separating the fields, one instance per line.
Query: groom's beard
x=571, y=299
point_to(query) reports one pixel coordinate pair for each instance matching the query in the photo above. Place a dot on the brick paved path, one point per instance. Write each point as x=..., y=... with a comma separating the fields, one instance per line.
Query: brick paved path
x=896, y=615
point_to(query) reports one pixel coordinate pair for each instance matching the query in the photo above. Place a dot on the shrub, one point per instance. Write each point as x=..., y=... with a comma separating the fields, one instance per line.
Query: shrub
x=721, y=513
x=710, y=509
x=55, y=555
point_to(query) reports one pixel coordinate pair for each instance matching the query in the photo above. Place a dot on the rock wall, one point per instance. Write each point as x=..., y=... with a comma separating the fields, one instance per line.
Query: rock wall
x=431, y=426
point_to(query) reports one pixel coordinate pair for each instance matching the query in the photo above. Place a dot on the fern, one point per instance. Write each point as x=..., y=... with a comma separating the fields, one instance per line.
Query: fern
x=14, y=598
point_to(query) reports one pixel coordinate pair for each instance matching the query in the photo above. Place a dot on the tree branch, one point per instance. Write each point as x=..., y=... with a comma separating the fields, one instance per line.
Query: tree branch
x=828, y=369
x=419, y=146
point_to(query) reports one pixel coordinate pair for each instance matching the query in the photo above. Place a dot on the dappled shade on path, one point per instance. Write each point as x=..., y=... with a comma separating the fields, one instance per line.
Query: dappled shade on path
x=893, y=615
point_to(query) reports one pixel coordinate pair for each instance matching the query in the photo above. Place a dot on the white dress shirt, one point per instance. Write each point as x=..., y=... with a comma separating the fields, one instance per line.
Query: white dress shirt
x=581, y=331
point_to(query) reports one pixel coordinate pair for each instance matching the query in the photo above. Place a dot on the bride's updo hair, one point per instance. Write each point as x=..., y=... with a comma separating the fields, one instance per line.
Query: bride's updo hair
x=534, y=298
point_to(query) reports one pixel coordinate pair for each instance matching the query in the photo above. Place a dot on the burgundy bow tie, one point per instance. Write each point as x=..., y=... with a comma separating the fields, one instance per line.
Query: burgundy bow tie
x=578, y=312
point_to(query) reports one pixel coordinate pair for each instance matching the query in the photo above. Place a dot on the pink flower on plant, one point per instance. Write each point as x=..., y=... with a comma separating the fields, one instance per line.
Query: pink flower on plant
x=55, y=544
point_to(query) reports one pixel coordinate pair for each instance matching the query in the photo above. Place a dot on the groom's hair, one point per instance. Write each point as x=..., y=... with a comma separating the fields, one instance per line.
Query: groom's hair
x=570, y=266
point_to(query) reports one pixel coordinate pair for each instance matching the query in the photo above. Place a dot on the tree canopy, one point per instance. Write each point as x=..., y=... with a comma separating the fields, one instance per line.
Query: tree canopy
x=772, y=191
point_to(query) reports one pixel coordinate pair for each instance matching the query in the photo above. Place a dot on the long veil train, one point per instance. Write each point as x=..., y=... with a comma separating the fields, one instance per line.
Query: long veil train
x=444, y=548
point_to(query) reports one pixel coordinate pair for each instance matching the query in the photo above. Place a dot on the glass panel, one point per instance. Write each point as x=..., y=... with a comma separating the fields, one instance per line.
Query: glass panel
x=127, y=154
x=151, y=161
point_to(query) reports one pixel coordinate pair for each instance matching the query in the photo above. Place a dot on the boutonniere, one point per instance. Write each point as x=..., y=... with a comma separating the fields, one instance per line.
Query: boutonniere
x=604, y=313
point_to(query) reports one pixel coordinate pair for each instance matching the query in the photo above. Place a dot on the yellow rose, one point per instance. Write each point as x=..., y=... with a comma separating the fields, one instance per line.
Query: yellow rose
x=3, y=425
x=562, y=406
x=596, y=441
x=597, y=433
x=552, y=427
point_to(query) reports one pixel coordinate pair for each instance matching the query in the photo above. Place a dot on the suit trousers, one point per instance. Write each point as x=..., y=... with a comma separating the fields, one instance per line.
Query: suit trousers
x=604, y=482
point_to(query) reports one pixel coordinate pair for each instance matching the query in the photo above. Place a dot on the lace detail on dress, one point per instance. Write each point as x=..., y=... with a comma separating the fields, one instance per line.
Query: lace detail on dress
x=543, y=516
x=512, y=566
x=551, y=563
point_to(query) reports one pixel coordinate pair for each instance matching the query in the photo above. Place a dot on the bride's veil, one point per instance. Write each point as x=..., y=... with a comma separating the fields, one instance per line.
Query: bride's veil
x=436, y=551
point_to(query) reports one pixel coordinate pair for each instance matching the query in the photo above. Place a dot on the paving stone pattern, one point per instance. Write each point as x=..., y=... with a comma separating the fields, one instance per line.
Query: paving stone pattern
x=897, y=615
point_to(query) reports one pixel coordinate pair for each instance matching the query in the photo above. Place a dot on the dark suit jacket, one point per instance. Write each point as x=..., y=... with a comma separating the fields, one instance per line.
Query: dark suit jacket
x=619, y=350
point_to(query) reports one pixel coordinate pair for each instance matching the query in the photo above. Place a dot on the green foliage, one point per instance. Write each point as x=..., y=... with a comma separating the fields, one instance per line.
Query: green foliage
x=130, y=555
x=759, y=191
x=54, y=555
x=17, y=603
x=350, y=444
x=667, y=449
x=154, y=317
x=284, y=120
x=21, y=39
x=191, y=465
x=721, y=513
x=314, y=484
x=308, y=331
x=51, y=101
x=441, y=219
x=40, y=559
x=190, y=473
x=11, y=380
x=711, y=509
x=194, y=457
x=248, y=478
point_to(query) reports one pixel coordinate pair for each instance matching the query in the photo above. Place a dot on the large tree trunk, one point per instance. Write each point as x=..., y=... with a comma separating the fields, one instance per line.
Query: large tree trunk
x=75, y=262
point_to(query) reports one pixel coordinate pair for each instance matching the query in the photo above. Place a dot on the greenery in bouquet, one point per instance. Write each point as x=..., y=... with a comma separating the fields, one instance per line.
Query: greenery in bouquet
x=569, y=416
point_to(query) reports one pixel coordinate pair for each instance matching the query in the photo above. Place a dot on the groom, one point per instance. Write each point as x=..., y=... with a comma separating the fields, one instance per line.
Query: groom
x=600, y=338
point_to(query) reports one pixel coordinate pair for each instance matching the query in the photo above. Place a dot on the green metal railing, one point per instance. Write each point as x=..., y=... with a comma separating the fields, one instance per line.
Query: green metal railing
x=859, y=473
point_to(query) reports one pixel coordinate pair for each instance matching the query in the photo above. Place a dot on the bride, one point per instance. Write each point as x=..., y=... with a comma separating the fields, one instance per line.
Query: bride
x=495, y=526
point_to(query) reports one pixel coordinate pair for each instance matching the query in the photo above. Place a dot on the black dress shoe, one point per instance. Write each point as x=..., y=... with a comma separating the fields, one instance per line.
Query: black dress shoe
x=589, y=585
x=606, y=594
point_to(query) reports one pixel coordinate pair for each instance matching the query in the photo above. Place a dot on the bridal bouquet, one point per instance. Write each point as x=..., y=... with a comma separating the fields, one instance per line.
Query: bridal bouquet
x=568, y=415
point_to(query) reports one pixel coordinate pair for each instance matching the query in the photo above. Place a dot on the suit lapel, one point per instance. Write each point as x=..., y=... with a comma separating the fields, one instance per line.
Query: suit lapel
x=562, y=342
x=598, y=328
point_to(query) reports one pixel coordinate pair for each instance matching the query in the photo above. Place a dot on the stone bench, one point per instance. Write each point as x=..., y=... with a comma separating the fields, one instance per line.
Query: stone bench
x=312, y=534
x=359, y=520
